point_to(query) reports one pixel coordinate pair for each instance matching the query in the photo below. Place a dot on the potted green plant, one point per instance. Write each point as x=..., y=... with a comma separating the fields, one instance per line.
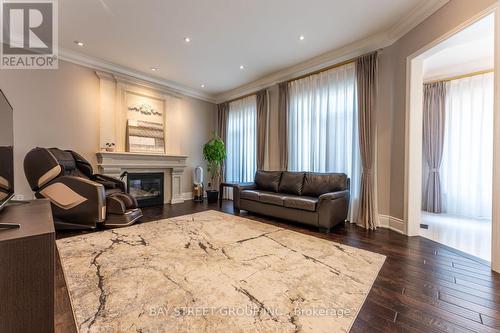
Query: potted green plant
x=214, y=152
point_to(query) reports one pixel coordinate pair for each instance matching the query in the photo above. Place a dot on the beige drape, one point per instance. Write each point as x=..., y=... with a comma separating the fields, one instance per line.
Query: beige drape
x=223, y=111
x=433, y=143
x=366, y=78
x=283, y=125
x=261, y=127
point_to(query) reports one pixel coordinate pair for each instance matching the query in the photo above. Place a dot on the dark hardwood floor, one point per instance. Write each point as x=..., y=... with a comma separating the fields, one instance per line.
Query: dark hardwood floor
x=422, y=287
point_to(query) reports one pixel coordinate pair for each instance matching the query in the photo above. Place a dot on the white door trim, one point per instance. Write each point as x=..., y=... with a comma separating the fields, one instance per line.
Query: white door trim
x=413, y=136
x=495, y=232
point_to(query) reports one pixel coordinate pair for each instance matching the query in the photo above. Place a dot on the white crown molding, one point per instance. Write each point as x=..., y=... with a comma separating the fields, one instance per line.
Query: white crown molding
x=117, y=70
x=416, y=16
x=159, y=90
x=355, y=49
x=370, y=44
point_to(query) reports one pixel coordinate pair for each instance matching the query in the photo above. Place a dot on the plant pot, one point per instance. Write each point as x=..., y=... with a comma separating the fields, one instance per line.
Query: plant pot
x=212, y=196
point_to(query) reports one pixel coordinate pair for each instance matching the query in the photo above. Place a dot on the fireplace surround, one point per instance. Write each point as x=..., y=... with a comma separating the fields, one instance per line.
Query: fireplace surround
x=172, y=167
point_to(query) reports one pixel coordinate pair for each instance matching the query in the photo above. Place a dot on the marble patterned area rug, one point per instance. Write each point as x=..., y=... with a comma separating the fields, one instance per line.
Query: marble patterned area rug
x=214, y=272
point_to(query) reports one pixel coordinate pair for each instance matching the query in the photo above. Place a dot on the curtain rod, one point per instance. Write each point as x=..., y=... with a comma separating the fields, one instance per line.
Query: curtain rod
x=323, y=69
x=244, y=96
x=463, y=76
x=327, y=68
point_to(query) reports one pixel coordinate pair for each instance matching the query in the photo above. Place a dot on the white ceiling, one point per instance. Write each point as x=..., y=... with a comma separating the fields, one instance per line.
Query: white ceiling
x=262, y=35
x=468, y=51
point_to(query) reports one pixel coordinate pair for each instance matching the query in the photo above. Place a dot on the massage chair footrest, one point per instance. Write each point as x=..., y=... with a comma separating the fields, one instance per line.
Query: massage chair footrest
x=123, y=219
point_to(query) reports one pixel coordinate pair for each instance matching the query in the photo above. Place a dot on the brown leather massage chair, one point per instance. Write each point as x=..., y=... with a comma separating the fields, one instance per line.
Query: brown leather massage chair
x=80, y=199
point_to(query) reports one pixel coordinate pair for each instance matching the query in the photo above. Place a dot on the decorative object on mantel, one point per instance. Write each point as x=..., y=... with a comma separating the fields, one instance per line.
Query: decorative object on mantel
x=145, y=136
x=198, y=184
x=214, y=152
x=145, y=109
x=110, y=146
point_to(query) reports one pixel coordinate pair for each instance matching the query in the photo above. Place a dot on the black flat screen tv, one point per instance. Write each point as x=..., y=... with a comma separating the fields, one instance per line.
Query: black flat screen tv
x=6, y=151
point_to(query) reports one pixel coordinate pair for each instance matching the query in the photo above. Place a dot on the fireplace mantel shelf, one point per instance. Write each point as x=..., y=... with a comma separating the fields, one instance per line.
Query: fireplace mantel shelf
x=147, y=155
x=140, y=160
x=114, y=163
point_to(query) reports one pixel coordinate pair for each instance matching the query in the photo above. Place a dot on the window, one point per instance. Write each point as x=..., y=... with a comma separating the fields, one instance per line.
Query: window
x=241, y=142
x=466, y=169
x=323, y=126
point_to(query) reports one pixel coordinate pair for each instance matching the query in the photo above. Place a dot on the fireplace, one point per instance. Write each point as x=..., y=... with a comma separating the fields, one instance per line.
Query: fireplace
x=147, y=188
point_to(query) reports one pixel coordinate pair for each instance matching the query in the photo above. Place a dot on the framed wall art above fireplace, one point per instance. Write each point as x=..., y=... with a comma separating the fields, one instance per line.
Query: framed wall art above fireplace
x=145, y=123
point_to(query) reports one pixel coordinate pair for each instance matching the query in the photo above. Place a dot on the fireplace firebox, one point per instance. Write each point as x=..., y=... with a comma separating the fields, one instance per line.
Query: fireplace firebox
x=147, y=188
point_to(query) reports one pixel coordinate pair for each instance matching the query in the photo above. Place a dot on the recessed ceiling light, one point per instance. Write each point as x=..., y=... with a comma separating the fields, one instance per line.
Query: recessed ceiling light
x=242, y=67
x=301, y=37
x=154, y=69
x=187, y=39
x=203, y=86
x=77, y=42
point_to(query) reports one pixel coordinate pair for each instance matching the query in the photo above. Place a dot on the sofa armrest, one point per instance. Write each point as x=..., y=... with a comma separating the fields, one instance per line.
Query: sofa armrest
x=333, y=208
x=237, y=188
x=333, y=196
x=76, y=199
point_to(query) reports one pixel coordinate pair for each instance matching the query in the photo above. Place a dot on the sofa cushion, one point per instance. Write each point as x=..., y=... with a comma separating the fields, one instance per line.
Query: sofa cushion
x=316, y=184
x=291, y=182
x=271, y=198
x=300, y=202
x=268, y=180
x=250, y=195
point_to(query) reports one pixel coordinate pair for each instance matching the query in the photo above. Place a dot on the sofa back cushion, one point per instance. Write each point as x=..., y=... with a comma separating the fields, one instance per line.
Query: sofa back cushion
x=316, y=184
x=292, y=182
x=268, y=180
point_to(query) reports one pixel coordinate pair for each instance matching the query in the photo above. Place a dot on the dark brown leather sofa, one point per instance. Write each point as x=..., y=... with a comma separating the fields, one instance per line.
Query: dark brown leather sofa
x=317, y=199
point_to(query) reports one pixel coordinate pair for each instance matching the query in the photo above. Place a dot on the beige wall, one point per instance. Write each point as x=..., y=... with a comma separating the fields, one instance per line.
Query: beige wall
x=392, y=97
x=384, y=130
x=60, y=108
x=194, y=123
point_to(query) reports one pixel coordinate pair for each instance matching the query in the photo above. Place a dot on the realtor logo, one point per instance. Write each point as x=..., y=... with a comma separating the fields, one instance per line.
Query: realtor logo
x=29, y=34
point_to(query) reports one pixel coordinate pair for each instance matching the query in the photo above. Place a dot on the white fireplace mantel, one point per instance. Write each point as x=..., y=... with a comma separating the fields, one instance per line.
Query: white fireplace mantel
x=114, y=163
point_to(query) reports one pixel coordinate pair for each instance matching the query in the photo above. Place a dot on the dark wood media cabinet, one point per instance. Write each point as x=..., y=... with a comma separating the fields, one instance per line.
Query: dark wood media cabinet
x=27, y=263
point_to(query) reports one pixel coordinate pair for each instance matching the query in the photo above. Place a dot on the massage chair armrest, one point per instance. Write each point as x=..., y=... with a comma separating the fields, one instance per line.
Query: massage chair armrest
x=76, y=199
x=237, y=188
x=107, y=179
x=333, y=208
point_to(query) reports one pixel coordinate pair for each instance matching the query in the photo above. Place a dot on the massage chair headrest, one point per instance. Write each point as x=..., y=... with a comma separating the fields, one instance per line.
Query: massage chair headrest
x=41, y=165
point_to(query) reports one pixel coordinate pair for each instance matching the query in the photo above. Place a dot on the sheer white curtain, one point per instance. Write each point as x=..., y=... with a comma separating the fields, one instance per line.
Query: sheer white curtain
x=467, y=166
x=241, y=141
x=323, y=126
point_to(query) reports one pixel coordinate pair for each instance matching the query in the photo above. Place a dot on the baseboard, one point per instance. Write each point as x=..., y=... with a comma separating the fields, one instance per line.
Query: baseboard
x=392, y=223
x=187, y=195
x=386, y=221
